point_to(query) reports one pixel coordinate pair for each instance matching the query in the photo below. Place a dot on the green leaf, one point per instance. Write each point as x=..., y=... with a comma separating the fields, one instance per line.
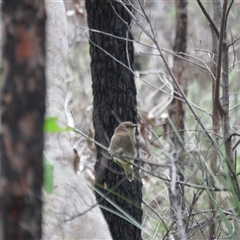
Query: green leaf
x=121, y=213
x=47, y=174
x=51, y=125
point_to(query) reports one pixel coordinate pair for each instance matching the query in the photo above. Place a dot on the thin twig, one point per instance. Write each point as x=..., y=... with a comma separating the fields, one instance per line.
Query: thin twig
x=233, y=42
x=96, y=204
x=164, y=224
x=153, y=38
x=236, y=144
x=153, y=163
x=208, y=18
x=234, y=54
x=229, y=8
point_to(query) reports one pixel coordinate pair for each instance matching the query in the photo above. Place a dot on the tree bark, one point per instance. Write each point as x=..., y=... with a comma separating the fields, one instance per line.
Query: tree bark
x=216, y=119
x=114, y=101
x=22, y=117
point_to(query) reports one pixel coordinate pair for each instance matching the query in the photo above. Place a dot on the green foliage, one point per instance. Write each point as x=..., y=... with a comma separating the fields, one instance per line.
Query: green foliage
x=121, y=213
x=51, y=126
x=47, y=174
x=238, y=165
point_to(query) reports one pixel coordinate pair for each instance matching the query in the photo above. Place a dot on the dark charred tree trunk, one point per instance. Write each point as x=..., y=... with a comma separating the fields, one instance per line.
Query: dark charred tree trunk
x=176, y=108
x=22, y=118
x=114, y=101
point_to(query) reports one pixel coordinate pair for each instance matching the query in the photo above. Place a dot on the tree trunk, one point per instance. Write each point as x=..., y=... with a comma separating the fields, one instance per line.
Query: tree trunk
x=22, y=117
x=216, y=119
x=176, y=113
x=114, y=101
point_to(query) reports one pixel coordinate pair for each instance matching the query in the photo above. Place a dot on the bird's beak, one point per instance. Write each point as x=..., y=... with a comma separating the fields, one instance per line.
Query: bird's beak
x=135, y=125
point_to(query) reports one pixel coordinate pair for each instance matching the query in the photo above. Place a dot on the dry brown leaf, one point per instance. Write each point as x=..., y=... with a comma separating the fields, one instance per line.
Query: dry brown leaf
x=76, y=161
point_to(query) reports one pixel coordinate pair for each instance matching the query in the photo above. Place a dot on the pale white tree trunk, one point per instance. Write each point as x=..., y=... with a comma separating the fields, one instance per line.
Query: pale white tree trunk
x=71, y=193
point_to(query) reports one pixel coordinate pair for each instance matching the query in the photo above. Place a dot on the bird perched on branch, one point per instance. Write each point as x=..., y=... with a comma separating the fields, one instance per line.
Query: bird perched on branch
x=122, y=147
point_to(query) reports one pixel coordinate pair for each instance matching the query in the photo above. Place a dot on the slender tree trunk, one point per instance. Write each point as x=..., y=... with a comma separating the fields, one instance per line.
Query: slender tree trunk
x=225, y=118
x=223, y=106
x=114, y=101
x=216, y=119
x=176, y=113
x=22, y=117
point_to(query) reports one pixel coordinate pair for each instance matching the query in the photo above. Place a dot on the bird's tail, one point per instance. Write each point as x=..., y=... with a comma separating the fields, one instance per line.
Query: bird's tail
x=129, y=172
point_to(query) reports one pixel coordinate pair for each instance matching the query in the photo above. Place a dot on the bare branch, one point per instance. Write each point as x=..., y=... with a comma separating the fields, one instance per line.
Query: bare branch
x=233, y=42
x=164, y=224
x=229, y=8
x=153, y=38
x=213, y=26
x=219, y=61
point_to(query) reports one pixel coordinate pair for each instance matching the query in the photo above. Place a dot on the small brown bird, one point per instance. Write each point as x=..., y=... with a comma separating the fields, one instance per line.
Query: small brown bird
x=122, y=147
